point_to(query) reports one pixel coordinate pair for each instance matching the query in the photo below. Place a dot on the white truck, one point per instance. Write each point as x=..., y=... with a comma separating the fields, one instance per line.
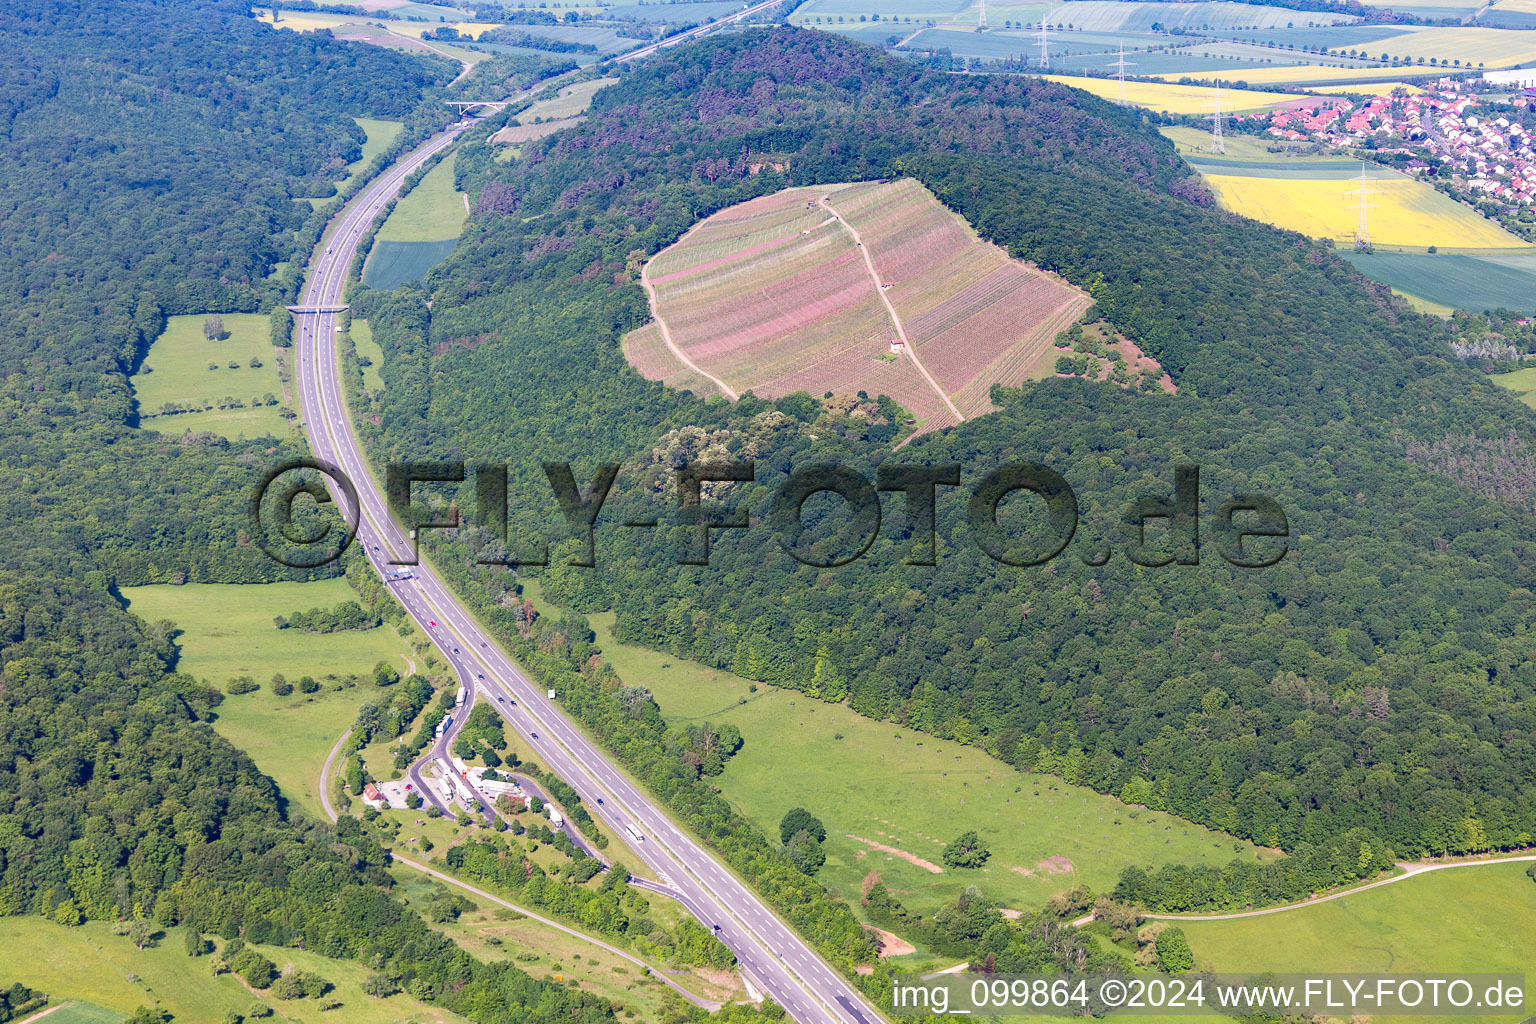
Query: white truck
x=634, y=833
x=442, y=726
x=460, y=698
x=555, y=817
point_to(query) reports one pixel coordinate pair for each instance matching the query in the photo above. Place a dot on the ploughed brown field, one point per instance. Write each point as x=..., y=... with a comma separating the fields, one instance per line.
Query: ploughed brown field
x=776, y=295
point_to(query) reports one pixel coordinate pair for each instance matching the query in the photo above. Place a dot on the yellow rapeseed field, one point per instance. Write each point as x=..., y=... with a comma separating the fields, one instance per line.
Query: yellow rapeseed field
x=1175, y=99
x=1403, y=211
x=1300, y=74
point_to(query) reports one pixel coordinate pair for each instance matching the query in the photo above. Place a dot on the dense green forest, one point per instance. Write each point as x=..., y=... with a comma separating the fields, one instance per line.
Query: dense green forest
x=1378, y=679
x=151, y=160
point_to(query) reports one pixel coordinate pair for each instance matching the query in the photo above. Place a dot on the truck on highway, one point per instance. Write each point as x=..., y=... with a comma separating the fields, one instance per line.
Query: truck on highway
x=442, y=726
x=460, y=698
x=634, y=833
x=396, y=575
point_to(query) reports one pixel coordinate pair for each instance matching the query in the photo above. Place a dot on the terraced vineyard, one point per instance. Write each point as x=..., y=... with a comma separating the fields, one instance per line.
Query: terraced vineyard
x=775, y=296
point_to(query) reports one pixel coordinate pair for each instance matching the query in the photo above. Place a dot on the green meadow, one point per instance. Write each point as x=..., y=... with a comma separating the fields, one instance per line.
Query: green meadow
x=1521, y=382
x=362, y=340
x=380, y=135
x=227, y=631
x=91, y=964
x=1465, y=919
x=491, y=933
x=892, y=798
x=83, y=1013
x=430, y=212
x=183, y=368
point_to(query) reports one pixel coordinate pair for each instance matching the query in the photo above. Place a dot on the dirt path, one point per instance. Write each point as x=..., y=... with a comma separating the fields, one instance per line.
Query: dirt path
x=666, y=335
x=43, y=1013
x=325, y=776
x=1409, y=871
x=901, y=333
x=910, y=858
x=660, y=975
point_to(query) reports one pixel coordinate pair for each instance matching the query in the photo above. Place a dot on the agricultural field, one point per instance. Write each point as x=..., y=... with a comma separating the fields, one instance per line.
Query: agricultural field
x=402, y=35
x=184, y=369
x=777, y=295
x=420, y=232
x=1121, y=15
x=1404, y=212
x=227, y=631
x=391, y=264
x=1165, y=64
x=1312, y=74
x=91, y=964
x=1471, y=45
x=1455, y=920
x=605, y=39
x=940, y=10
x=1176, y=99
x=1460, y=281
x=571, y=101
x=891, y=798
x=1310, y=194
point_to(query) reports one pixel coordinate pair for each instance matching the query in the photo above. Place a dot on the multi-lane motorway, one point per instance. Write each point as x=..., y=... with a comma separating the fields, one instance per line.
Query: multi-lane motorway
x=771, y=954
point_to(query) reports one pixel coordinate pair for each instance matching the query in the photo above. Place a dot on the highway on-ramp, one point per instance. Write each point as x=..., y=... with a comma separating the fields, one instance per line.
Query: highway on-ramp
x=775, y=958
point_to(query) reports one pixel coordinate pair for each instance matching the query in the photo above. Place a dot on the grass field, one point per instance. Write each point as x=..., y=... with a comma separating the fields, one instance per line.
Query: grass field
x=380, y=135
x=1521, y=382
x=913, y=793
x=1404, y=211
x=1176, y=99
x=175, y=370
x=1463, y=919
x=227, y=631
x=83, y=1013
x=1474, y=283
x=493, y=933
x=1247, y=149
x=362, y=340
x=91, y=964
x=571, y=100
x=431, y=211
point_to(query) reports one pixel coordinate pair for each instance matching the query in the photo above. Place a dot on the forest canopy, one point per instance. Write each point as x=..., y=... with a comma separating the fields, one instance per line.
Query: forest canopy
x=1384, y=665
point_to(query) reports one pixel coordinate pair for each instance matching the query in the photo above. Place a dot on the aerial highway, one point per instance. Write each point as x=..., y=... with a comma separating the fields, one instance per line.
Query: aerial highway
x=771, y=954
x=694, y=33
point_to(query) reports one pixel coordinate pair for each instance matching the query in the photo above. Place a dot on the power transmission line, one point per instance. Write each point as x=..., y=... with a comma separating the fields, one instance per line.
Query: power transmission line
x=1364, y=192
x=1120, y=66
x=1218, y=124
